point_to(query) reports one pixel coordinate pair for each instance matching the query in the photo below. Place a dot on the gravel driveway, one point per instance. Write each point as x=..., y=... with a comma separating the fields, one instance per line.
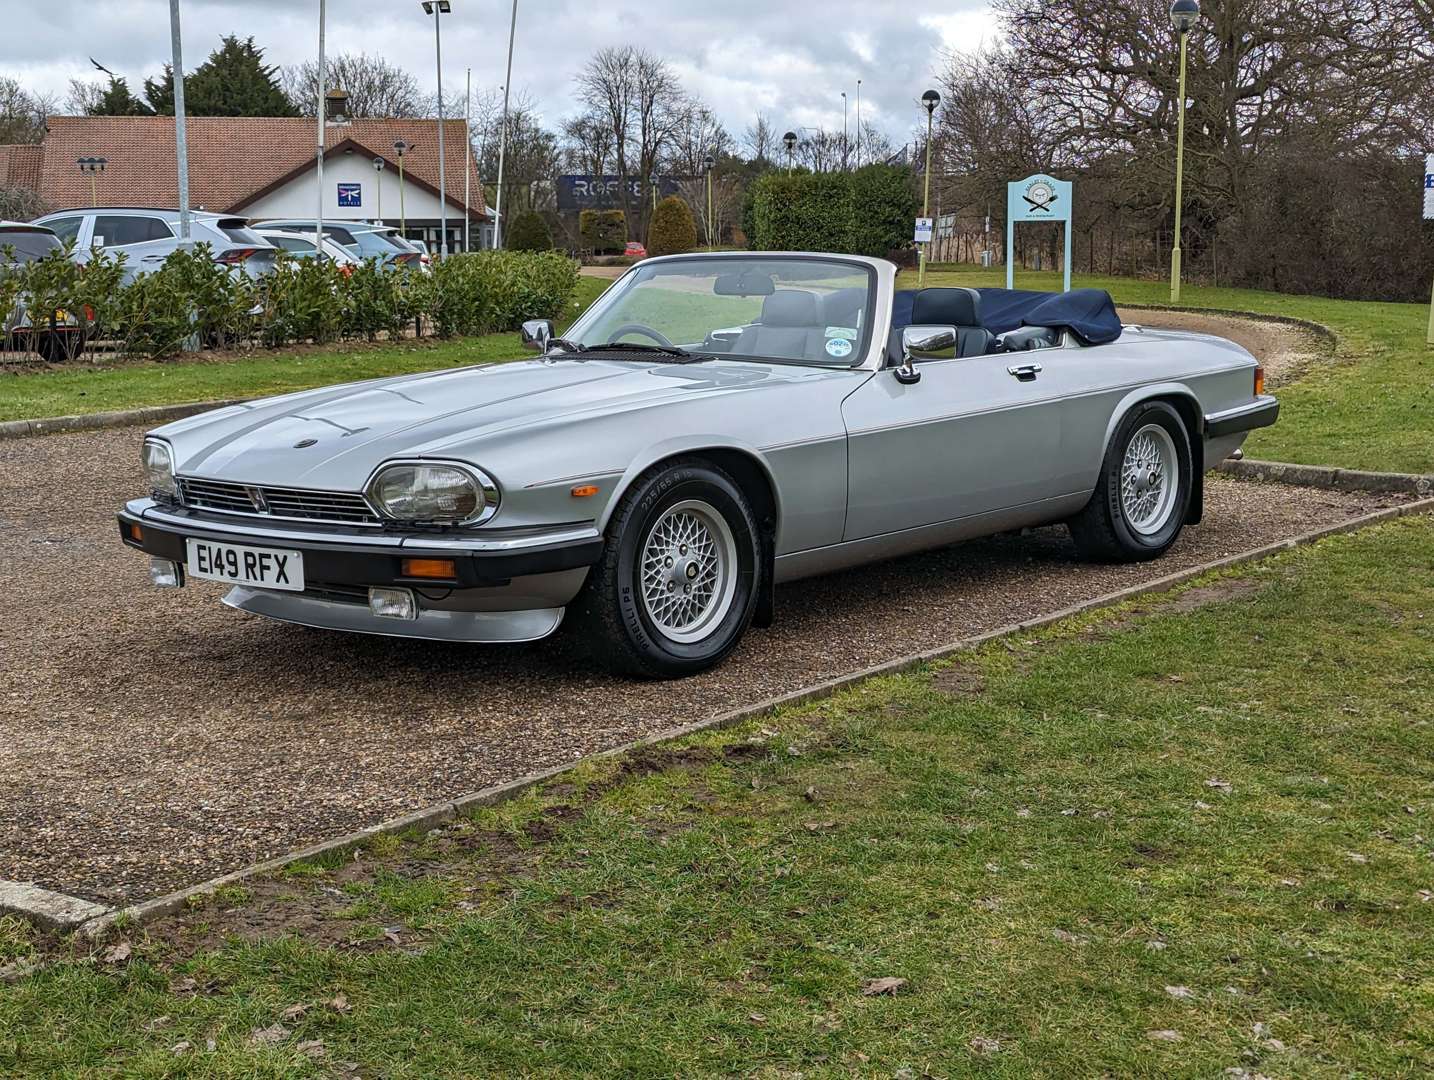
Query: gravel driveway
x=152, y=739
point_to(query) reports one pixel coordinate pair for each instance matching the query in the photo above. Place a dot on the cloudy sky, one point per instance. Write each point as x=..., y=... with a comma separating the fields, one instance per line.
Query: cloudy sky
x=790, y=59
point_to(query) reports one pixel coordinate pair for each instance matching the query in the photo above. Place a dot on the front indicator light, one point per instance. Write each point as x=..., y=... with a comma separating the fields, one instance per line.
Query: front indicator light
x=393, y=604
x=165, y=573
x=439, y=569
x=136, y=533
x=585, y=491
x=1259, y=381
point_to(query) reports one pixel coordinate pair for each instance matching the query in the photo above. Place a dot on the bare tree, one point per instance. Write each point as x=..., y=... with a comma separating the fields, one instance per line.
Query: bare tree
x=22, y=114
x=588, y=145
x=376, y=88
x=760, y=139
x=533, y=152
x=697, y=134
x=636, y=96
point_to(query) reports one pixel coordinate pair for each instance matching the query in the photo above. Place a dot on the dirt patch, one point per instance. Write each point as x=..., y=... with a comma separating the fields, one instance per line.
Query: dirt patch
x=1181, y=604
x=959, y=680
x=1287, y=351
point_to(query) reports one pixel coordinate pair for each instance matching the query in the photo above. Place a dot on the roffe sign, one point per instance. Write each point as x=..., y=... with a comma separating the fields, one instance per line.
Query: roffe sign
x=605, y=192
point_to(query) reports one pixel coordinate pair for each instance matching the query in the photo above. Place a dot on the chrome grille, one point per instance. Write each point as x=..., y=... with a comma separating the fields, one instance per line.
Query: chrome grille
x=292, y=504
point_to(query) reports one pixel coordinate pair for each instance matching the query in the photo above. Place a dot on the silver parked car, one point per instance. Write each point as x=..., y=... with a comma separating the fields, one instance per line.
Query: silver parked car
x=362, y=240
x=714, y=425
x=146, y=236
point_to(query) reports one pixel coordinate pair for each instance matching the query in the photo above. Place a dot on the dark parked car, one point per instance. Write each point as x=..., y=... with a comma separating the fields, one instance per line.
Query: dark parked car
x=55, y=335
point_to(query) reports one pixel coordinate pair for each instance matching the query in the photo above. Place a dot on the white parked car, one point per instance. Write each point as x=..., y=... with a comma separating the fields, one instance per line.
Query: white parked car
x=302, y=247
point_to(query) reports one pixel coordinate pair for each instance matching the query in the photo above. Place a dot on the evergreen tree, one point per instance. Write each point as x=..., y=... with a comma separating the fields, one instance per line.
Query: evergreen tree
x=118, y=100
x=529, y=233
x=234, y=81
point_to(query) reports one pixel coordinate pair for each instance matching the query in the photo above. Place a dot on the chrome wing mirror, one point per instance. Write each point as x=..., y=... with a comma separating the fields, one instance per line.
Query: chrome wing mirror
x=924, y=343
x=537, y=333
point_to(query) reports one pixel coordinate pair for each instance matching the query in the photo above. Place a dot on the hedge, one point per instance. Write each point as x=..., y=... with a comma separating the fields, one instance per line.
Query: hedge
x=673, y=230
x=303, y=300
x=529, y=233
x=867, y=212
x=604, y=232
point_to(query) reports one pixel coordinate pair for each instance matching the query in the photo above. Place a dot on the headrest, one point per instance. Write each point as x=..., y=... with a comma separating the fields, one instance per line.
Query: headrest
x=946, y=307
x=840, y=308
x=790, y=307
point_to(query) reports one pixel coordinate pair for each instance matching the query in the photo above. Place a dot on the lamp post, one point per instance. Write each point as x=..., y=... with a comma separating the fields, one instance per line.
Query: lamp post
x=1184, y=14
x=790, y=139
x=845, y=132
x=858, y=123
x=708, y=163
x=652, y=182
x=438, y=9
x=930, y=100
x=400, y=148
x=181, y=141
x=92, y=165
x=468, y=160
x=503, y=136
x=321, y=110
x=378, y=166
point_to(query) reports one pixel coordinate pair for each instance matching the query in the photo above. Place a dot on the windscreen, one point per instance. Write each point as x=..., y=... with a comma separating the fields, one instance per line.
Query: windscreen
x=801, y=309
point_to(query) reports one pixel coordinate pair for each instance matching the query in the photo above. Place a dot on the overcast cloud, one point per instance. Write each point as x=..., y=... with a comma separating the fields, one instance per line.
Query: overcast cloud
x=790, y=60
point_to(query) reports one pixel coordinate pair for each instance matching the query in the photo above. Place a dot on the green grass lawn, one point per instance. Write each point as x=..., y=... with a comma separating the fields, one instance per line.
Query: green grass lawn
x=1373, y=408
x=123, y=386
x=1174, y=839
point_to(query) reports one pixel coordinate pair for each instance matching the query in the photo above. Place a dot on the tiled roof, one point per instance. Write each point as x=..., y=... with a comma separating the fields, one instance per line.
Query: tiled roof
x=231, y=159
x=20, y=166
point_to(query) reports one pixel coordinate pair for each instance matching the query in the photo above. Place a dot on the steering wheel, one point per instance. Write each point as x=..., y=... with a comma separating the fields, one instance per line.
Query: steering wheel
x=645, y=331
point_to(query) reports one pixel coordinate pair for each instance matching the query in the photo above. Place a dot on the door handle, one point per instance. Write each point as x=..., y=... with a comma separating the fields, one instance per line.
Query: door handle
x=1025, y=372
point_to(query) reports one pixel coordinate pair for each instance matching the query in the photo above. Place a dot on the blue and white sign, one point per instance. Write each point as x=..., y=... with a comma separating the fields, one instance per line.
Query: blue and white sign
x=1429, y=187
x=925, y=229
x=351, y=196
x=1037, y=198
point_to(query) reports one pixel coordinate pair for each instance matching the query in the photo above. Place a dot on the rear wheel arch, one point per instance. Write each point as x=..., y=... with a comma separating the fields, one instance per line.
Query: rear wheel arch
x=1182, y=399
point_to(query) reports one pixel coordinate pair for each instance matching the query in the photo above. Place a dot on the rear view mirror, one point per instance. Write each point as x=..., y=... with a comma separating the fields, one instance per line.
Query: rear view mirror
x=744, y=285
x=537, y=333
x=924, y=343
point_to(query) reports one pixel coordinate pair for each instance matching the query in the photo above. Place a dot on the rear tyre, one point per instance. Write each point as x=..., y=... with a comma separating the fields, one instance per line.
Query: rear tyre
x=1143, y=497
x=680, y=575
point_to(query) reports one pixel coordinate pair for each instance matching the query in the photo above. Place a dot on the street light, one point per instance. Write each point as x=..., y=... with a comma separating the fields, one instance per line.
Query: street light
x=181, y=140
x=858, y=123
x=503, y=137
x=439, y=8
x=930, y=100
x=845, y=132
x=378, y=166
x=92, y=165
x=707, y=163
x=400, y=148
x=1184, y=14
x=790, y=138
x=652, y=183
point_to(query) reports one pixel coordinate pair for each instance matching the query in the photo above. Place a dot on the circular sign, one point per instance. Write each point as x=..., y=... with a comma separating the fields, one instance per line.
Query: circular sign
x=839, y=347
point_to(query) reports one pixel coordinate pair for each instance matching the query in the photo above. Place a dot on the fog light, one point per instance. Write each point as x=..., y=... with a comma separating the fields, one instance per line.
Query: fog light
x=165, y=573
x=392, y=603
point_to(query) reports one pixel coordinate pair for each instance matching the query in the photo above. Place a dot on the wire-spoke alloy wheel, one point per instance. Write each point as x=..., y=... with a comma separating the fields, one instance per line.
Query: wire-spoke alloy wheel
x=1143, y=494
x=688, y=571
x=1149, y=479
x=680, y=575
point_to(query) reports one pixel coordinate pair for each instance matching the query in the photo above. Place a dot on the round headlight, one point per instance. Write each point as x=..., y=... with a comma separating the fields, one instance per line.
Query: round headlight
x=429, y=494
x=159, y=469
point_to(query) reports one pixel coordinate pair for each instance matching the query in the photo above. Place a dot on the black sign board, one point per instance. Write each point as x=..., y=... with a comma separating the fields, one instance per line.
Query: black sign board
x=605, y=192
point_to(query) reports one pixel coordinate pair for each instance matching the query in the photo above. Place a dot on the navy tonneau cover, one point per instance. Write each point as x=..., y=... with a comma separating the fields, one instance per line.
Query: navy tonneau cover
x=1089, y=314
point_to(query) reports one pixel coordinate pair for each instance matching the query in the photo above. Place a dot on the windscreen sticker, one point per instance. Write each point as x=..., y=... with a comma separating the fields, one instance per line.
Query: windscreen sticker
x=842, y=331
x=839, y=347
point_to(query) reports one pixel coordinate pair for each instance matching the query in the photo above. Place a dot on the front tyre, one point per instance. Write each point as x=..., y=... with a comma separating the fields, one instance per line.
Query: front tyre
x=1143, y=496
x=679, y=578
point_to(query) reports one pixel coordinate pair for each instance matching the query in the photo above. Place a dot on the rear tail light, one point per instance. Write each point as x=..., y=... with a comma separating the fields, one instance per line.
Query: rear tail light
x=235, y=255
x=1259, y=381
x=346, y=270
x=405, y=257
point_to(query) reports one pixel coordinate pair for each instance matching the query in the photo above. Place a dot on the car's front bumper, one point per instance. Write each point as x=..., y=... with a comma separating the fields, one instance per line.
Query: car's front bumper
x=508, y=586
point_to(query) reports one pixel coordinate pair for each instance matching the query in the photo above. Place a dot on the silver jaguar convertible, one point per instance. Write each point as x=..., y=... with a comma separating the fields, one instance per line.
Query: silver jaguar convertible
x=713, y=426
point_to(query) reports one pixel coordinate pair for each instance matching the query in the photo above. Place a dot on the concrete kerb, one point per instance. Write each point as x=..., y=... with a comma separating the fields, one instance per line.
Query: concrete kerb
x=1324, y=476
x=153, y=414
x=1319, y=330
x=441, y=813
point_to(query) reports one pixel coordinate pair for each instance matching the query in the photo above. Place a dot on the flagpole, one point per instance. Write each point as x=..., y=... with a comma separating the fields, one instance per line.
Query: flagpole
x=468, y=162
x=503, y=137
